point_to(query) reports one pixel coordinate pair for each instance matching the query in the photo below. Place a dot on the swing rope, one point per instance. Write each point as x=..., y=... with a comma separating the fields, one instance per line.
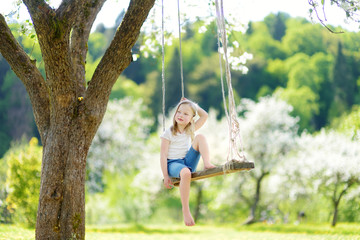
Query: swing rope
x=235, y=140
x=233, y=164
x=180, y=54
x=222, y=86
x=163, y=58
x=163, y=63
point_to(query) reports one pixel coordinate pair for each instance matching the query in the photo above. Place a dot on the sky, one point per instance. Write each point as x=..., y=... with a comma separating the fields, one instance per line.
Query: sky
x=241, y=10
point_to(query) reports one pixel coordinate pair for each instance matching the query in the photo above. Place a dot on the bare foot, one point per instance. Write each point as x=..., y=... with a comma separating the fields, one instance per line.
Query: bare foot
x=209, y=166
x=188, y=219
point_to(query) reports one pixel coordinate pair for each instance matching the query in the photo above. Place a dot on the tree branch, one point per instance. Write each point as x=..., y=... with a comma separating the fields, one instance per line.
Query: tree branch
x=51, y=24
x=69, y=10
x=322, y=22
x=116, y=58
x=39, y=11
x=29, y=74
x=79, y=39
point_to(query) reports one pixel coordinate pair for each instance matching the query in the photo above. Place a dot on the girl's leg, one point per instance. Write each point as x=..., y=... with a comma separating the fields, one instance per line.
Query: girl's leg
x=185, y=177
x=200, y=145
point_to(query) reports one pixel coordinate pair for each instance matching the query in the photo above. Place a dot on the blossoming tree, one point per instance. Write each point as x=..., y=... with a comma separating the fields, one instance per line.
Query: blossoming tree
x=327, y=163
x=268, y=133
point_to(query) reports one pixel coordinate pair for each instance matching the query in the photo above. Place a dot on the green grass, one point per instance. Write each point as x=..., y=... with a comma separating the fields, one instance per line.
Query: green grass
x=342, y=228
x=10, y=232
x=208, y=232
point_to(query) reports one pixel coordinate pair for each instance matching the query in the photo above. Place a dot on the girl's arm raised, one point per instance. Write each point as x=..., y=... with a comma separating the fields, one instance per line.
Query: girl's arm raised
x=203, y=117
x=163, y=161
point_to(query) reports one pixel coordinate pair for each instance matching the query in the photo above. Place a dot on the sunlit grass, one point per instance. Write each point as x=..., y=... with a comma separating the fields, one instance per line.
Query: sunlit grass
x=12, y=232
x=208, y=232
x=311, y=228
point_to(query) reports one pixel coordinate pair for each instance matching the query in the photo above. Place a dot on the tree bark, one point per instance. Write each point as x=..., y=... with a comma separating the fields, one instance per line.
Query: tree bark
x=28, y=73
x=66, y=112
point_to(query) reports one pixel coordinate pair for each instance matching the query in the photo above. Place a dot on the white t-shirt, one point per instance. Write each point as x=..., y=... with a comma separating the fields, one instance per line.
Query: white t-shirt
x=179, y=144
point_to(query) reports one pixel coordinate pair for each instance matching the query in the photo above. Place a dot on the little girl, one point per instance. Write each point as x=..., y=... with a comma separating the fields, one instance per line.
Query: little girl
x=181, y=149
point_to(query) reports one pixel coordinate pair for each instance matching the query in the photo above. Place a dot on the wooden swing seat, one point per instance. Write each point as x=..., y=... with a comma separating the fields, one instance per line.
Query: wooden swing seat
x=230, y=167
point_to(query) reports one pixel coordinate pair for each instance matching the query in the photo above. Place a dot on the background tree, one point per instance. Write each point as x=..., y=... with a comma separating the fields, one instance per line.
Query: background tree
x=115, y=158
x=349, y=124
x=276, y=24
x=23, y=181
x=67, y=112
x=343, y=80
x=324, y=63
x=5, y=215
x=205, y=86
x=173, y=82
x=119, y=143
x=270, y=132
x=305, y=38
x=325, y=163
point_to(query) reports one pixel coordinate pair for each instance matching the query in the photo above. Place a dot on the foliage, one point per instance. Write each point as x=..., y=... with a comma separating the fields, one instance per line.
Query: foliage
x=349, y=124
x=97, y=45
x=277, y=24
x=269, y=130
x=305, y=38
x=114, y=160
x=23, y=181
x=272, y=66
x=269, y=133
x=119, y=141
x=132, y=206
x=325, y=163
x=304, y=101
x=5, y=216
x=125, y=87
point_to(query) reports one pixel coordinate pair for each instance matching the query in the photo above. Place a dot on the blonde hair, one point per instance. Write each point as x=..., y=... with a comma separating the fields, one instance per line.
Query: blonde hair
x=190, y=128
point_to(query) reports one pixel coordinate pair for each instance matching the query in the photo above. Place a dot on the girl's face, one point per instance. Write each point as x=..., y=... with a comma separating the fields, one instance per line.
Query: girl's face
x=184, y=115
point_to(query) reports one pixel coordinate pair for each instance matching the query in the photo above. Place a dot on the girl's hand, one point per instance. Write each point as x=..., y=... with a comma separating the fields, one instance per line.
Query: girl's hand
x=183, y=99
x=167, y=182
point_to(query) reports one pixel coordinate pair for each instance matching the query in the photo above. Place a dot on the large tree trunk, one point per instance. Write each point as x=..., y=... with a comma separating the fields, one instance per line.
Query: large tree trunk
x=61, y=212
x=67, y=113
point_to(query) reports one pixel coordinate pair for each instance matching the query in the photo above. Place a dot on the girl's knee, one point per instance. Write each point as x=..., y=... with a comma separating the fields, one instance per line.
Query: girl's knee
x=200, y=137
x=185, y=173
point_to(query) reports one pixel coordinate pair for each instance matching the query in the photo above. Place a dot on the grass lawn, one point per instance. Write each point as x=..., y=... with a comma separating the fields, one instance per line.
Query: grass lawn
x=206, y=232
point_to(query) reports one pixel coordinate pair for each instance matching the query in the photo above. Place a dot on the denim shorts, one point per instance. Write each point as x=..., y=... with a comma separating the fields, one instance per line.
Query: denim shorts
x=190, y=161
